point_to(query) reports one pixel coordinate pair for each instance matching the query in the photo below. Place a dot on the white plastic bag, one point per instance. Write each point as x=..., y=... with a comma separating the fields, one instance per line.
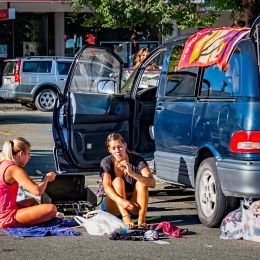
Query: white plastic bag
x=251, y=222
x=99, y=222
x=231, y=226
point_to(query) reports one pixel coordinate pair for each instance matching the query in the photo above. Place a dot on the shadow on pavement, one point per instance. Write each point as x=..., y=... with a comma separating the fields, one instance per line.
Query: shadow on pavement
x=41, y=160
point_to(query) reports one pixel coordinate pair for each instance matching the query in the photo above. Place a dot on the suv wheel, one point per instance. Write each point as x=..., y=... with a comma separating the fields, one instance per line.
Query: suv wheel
x=210, y=200
x=45, y=100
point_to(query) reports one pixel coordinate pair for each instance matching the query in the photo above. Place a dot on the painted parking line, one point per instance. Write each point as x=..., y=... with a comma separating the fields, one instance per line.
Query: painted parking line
x=6, y=133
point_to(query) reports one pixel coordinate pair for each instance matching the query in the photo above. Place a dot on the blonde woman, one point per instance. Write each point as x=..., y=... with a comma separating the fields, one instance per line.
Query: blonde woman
x=140, y=56
x=14, y=156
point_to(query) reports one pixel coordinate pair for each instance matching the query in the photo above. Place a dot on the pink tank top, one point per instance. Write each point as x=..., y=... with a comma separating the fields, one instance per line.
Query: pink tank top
x=8, y=193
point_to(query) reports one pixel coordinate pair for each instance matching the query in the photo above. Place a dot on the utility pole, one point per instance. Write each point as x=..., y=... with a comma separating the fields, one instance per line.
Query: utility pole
x=12, y=25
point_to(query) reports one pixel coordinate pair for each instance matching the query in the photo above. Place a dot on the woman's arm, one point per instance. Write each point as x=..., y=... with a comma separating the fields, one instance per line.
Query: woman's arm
x=110, y=192
x=20, y=175
x=146, y=177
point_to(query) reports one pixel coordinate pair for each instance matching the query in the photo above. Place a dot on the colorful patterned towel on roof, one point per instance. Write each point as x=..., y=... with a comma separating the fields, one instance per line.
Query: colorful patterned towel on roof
x=211, y=46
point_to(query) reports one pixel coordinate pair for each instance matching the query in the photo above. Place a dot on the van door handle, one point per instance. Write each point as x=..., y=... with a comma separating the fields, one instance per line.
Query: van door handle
x=159, y=108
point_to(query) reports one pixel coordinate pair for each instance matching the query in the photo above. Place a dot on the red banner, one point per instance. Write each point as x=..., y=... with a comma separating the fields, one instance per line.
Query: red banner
x=211, y=46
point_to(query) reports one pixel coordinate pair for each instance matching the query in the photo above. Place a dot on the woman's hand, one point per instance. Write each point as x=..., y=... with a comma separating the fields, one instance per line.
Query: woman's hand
x=125, y=167
x=50, y=176
x=126, y=204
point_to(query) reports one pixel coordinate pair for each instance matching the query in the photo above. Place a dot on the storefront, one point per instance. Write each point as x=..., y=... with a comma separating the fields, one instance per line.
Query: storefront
x=38, y=28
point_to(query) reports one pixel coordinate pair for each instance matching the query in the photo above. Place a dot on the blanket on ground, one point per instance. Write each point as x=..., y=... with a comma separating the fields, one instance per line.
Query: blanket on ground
x=54, y=227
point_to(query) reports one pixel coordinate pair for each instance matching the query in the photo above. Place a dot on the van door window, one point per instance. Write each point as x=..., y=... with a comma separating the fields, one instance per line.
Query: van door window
x=222, y=83
x=151, y=73
x=97, y=71
x=180, y=82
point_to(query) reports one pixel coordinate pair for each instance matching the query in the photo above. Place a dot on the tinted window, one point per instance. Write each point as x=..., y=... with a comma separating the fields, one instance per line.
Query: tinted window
x=181, y=83
x=63, y=67
x=37, y=66
x=9, y=68
x=222, y=83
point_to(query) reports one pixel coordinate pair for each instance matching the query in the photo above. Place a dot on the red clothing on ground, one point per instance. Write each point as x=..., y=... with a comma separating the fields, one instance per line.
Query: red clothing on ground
x=8, y=193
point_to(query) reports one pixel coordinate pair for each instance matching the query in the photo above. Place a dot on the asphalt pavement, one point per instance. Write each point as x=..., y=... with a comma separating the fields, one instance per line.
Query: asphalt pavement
x=167, y=203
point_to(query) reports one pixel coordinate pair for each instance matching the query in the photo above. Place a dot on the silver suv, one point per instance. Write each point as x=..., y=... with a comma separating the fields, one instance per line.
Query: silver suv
x=35, y=81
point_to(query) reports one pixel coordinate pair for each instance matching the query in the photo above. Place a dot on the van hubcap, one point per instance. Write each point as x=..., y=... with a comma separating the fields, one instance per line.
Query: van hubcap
x=207, y=191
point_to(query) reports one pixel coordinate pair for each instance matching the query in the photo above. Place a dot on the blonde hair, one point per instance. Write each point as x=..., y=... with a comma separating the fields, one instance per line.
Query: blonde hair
x=139, y=56
x=12, y=147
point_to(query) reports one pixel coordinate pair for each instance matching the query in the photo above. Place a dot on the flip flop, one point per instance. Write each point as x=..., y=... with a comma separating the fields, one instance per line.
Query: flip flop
x=142, y=226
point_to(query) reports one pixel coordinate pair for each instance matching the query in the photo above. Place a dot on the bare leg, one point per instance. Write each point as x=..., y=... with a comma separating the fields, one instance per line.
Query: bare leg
x=27, y=203
x=141, y=194
x=35, y=214
x=113, y=207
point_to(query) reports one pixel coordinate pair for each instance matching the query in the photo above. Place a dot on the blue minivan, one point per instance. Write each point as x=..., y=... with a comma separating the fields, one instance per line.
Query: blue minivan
x=199, y=124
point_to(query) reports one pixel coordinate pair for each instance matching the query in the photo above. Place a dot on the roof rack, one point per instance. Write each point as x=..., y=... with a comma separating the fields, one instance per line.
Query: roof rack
x=255, y=36
x=48, y=57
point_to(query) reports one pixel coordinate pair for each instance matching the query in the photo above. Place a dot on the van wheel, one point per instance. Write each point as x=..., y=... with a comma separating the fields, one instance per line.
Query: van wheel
x=45, y=100
x=211, y=202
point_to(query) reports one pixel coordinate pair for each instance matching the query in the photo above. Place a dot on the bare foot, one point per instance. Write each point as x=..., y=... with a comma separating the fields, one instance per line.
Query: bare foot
x=128, y=221
x=142, y=222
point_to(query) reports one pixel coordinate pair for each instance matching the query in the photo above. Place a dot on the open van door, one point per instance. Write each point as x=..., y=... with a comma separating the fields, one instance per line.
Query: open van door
x=90, y=108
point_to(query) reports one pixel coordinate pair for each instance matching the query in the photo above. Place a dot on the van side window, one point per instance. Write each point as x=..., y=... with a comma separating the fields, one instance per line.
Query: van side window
x=180, y=82
x=151, y=74
x=222, y=83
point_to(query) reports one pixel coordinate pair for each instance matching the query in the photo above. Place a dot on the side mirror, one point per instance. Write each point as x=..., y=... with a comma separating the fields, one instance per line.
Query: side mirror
x=107, y=86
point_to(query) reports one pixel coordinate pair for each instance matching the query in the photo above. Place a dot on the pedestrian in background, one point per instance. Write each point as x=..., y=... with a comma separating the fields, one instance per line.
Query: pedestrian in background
x=140, y=56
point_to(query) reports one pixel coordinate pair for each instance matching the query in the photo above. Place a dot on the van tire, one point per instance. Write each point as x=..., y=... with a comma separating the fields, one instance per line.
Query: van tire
x=212, y=204
x=45, y=99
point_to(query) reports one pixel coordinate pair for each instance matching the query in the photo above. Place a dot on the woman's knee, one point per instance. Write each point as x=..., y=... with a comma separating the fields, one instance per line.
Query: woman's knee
x=51, y=209
x=118, y=182
x=140, y=186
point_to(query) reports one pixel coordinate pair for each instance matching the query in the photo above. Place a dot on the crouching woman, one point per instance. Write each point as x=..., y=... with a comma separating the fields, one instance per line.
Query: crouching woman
x=15, y=155
x=126, y=178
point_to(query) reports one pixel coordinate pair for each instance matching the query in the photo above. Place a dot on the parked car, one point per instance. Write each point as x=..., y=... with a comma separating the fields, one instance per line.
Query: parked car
x=35, y=81
x=200, y=124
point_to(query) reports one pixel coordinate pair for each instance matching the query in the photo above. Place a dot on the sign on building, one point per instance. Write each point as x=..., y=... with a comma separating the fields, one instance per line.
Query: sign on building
x=3, y=50
x=7, y=14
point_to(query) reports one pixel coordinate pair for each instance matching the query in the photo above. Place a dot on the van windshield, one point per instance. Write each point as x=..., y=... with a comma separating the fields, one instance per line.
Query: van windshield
x=9, y=68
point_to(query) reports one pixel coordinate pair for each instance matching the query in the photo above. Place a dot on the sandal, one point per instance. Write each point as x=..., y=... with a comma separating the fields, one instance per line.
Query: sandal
x=142, y=226
x=129, y=223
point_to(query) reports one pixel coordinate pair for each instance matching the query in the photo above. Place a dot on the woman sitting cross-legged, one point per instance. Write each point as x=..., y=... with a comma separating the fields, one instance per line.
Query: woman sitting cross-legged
x=126, y=178
x=14, y=156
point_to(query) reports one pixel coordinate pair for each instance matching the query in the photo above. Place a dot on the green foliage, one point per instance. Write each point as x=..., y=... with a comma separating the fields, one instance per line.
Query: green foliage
x=152, y=13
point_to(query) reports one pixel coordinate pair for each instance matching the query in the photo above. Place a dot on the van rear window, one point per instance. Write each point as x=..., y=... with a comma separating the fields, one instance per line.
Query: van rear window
x=9, y=68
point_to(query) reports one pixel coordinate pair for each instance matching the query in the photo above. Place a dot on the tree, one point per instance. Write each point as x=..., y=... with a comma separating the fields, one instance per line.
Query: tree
x=134, y=14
